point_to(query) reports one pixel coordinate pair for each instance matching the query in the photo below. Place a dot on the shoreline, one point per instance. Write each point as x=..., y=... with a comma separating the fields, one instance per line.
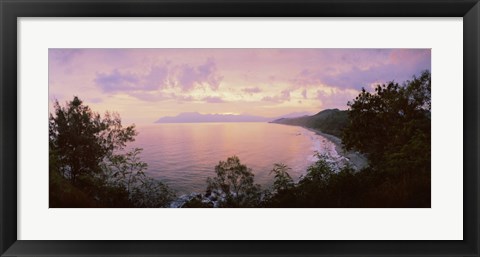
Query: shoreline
x=357, y=160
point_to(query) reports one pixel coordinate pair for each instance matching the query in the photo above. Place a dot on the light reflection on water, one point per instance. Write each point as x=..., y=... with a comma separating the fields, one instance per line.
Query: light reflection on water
x=183, y=155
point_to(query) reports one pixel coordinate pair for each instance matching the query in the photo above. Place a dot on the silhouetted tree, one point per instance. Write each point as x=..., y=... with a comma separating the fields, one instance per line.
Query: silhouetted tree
x=127, y=171
x=235, y=182
x=89, y=166
x=282, y=180
x=392, y=125
x=80, y=139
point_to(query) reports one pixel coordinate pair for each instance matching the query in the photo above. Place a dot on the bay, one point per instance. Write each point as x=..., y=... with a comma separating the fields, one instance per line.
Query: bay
x=184, y=155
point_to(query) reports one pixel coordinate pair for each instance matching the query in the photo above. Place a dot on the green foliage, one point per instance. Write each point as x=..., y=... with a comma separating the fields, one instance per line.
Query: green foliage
x=80, y=139
x=235, y=182
x=392, y=125
x=127, y=171
x=151, y=193
x=319, y=172
x=89, y=166
x=330, y=121
x=326, y=187
x=63, y=195
x=282, y=180
x=197, y=203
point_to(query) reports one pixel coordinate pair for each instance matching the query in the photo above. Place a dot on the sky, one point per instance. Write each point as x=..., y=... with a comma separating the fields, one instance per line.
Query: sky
x=143, y=85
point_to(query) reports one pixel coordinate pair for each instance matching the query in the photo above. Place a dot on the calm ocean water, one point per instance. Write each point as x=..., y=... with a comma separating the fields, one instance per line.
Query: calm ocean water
x=183, y=155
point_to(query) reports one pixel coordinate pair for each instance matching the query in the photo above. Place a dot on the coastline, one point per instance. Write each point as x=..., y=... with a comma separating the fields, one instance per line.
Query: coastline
x=357, y=160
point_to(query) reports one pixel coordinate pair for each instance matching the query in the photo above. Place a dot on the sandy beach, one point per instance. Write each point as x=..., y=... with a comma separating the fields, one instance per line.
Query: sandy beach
x=357, y=160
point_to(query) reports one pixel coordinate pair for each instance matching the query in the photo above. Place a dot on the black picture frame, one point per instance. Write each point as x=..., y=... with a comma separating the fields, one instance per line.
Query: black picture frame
x=10, y=10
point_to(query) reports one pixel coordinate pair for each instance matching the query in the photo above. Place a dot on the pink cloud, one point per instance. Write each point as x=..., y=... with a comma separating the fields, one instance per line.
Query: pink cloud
x=213, y=99
x=252, y=90
x=63, y=56
x=185, y=76
x=188, y=76
x=161, y=78
x=282, y=97
x=117, y=81
x=336, y=99
x=365, y=68
x=304, y=93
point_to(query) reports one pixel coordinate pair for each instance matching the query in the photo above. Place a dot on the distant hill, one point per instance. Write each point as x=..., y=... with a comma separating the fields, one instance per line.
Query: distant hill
x=330, y=121
x=293, y=115
x=195, y=117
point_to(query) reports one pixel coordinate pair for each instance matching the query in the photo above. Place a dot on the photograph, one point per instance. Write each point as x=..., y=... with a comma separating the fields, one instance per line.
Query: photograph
x=239, y=127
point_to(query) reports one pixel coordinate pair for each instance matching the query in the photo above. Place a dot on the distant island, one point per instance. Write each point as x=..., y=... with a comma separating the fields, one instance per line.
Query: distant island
x=195, y=117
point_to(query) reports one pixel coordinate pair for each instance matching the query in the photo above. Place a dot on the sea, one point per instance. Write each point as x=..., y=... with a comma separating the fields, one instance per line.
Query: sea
x=184, y=155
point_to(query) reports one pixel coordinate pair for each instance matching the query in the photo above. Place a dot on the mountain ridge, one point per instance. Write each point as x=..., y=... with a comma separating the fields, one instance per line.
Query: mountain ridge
x=330, y=121
x=196, y=117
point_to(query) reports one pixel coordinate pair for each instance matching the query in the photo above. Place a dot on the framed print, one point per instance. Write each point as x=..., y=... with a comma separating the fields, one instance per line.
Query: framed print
x=230, y=128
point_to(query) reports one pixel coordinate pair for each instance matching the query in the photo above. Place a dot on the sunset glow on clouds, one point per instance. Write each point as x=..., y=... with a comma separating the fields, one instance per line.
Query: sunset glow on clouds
x=143, y=85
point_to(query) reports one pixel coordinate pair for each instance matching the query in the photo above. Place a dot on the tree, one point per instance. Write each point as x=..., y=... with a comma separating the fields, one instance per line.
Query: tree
x=322, y=186
x=235, y=182
x=127, y=172
x=79, y=139
x=392, y=127
x=89, y=166
x=282, y=180
x=393, y=123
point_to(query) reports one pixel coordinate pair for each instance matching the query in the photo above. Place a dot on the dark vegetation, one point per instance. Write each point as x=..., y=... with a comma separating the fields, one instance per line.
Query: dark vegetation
x=89, y=166
x=330, y=121
x=234, y=182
